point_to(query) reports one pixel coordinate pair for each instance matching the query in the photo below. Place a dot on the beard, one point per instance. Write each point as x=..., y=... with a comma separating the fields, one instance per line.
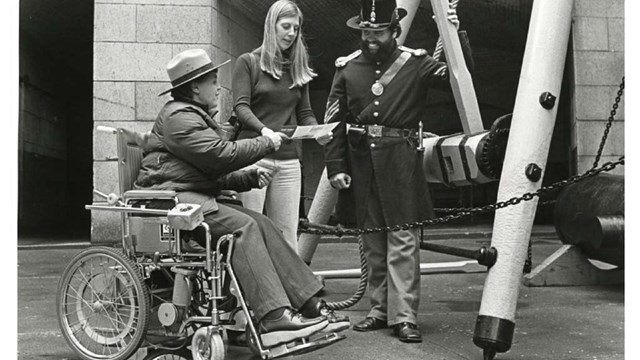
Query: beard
x=382, y=53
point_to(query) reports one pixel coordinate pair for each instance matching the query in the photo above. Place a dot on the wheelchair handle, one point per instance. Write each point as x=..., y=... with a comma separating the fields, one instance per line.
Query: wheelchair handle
x=106, y=129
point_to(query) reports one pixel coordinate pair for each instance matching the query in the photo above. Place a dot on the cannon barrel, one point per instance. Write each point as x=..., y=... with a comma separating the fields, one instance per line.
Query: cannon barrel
x=590, y=215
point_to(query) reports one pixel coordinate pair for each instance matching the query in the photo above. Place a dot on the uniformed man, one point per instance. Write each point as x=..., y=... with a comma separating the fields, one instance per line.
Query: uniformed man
x=379, y=94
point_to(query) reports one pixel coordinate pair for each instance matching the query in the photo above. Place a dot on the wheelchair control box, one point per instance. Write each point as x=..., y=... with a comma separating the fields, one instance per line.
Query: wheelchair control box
x=185, y=216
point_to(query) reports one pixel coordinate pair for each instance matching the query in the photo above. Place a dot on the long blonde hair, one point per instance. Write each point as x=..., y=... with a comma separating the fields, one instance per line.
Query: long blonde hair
x=271, y=58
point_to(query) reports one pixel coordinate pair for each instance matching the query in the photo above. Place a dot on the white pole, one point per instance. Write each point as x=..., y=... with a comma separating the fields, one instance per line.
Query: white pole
x=528, y=147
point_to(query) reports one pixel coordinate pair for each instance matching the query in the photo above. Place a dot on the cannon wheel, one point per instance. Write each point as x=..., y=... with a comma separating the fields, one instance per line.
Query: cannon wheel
x=162, y=354
x=103, y=304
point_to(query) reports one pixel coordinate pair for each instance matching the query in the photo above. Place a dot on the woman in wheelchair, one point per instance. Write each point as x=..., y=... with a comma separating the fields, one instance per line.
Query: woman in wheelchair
x=184, y=153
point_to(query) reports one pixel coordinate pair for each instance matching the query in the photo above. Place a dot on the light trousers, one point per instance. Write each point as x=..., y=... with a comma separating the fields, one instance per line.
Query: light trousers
x=393, y=261
x=280, y=200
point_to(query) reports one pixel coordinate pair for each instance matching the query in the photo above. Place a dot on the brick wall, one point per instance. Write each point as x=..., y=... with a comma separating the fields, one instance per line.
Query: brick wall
x=133, y=41
x=598, y=68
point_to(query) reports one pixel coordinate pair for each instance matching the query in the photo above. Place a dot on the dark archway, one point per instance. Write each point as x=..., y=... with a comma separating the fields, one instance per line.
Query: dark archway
x=55, y=118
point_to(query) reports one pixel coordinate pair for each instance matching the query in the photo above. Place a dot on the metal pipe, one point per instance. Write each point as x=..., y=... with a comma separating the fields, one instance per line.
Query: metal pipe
x=466, y=266
x=529, y=140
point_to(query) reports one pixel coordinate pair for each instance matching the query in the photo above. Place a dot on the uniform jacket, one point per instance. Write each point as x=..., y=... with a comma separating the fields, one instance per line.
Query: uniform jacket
x=185, y=154
x=392, y=165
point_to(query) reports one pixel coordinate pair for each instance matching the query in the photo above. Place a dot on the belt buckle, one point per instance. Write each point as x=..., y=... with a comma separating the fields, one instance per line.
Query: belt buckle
x=375, y=131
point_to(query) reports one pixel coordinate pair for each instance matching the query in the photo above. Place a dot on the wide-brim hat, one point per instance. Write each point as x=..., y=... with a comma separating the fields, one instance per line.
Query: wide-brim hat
x=189, y=65
x=377, y=15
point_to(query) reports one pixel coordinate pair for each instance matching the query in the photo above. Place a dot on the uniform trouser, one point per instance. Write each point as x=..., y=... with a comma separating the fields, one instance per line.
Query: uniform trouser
x=269, y=271
x=281, y=198
x=393, y=261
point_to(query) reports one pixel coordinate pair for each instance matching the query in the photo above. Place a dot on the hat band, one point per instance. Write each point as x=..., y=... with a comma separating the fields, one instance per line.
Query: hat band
x=368, y=24
x=189, y=76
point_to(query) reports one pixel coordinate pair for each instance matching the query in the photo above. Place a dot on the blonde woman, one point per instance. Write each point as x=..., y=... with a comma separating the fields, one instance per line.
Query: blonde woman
x=271, y=91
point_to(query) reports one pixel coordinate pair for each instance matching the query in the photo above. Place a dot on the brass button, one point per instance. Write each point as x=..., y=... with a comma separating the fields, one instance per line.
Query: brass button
x=373, y=145
x=376, y=103
x=375, y=114
x=378, y=72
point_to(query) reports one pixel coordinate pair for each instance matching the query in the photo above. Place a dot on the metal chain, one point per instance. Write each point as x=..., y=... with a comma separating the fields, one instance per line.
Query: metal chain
x=614, y=109
x=339, y=231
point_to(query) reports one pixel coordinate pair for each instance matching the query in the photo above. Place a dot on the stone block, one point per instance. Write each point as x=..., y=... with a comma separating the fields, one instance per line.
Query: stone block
x=225, y=106
x=585, y=163
x=105, y=227
x=589, y=135
x=148, y=103
x=616, y=34
x=109, y=2
x=595, y=102
x=105, y=177
x=105, y=144
x=598, y=67
x=174, y=24
x=130, y=61
x=114, y=22
x=113, y=101
x=170, y=2
x=598, y=8
x=590, y=33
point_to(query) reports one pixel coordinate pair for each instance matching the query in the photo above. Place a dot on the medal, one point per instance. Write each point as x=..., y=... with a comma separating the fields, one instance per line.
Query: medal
x=377, y=89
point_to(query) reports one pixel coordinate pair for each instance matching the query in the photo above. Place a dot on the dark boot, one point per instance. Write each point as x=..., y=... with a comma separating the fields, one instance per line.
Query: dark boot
x=408, y=332
x=370, y=324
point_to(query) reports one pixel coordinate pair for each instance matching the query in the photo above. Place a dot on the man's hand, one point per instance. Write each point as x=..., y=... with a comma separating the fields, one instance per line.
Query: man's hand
x=324, y=139
x=340, y=181
x=264, y=178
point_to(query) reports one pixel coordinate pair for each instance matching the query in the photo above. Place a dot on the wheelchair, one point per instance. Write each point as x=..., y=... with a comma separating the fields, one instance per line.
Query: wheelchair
x=155, y=291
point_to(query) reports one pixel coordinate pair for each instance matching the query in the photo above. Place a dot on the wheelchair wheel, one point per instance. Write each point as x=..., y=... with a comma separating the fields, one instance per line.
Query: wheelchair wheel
x=207, y=347
x=161, y=354
x=103, y=304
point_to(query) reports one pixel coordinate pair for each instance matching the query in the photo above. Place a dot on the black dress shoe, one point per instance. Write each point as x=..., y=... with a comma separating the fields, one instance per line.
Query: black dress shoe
x=408, y=332
x=370, y=324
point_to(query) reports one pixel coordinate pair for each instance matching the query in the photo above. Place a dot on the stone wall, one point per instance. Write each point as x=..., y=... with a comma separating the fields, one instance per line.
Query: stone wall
x=133, y=41
x=598, y=68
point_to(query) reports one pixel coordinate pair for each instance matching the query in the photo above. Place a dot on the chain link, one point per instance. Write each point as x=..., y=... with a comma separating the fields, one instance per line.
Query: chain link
x=464, y=212
x=614, y=109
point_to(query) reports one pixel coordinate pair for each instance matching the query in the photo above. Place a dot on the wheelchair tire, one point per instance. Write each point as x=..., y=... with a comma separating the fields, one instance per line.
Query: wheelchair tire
x=103, y=304
x=162, y=354
x=207, y=347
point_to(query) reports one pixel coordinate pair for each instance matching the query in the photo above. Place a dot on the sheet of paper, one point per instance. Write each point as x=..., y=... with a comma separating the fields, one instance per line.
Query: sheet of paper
x=312, y=131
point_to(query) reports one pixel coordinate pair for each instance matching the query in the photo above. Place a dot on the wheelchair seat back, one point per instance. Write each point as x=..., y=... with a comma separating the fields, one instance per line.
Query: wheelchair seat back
x=147, y=233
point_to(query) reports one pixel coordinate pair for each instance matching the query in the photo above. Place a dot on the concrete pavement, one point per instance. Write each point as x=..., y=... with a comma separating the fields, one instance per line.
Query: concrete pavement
x=585, y=322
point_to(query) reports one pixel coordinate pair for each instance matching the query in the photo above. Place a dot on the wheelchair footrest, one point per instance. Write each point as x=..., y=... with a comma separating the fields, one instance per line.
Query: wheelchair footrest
x=274, y=338
x=300, y=346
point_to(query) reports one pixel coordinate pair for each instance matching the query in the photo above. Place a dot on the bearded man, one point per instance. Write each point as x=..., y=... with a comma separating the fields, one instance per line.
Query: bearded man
x=380, y=92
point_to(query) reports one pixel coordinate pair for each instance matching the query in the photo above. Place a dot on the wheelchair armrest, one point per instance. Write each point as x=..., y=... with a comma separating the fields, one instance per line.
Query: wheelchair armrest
x=149, y=194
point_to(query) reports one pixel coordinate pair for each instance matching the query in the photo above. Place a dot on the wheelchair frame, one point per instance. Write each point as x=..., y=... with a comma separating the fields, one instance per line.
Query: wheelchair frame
x=85, y=296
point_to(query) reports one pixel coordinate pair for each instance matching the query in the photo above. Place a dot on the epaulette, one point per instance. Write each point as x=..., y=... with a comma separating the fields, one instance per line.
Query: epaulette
x=414, y=52
x=343, y=60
